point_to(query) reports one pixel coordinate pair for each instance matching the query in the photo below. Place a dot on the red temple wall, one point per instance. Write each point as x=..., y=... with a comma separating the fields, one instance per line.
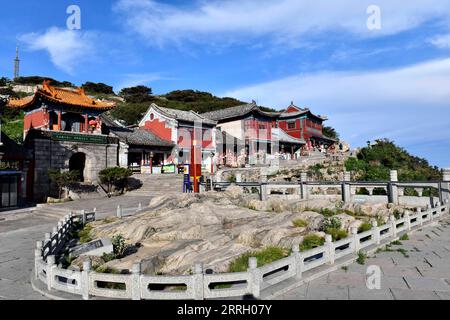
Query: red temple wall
x=159, y=128
x=37, y=119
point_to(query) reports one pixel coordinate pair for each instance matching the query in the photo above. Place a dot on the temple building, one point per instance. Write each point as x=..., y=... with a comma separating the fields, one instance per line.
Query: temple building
x=301, y=123
x=182, y=129
x=63, y=130
x=257, y=132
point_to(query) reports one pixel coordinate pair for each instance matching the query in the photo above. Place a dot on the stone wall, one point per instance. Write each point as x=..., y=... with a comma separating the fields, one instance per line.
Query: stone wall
x=56, y=154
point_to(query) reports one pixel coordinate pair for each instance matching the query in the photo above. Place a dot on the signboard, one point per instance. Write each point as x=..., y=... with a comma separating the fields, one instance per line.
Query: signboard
x=169, y=168
x=84, y=138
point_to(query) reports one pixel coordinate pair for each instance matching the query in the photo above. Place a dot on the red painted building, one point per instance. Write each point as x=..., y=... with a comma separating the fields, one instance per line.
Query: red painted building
x=182, y=129
x=303, y=124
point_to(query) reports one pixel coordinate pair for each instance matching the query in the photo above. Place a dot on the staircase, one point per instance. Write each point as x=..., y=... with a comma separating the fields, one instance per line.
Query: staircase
x=158, y=185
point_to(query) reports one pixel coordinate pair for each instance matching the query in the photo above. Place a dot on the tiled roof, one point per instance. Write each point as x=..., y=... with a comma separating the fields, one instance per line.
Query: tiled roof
x=62, y=96
x=238, y=111
x=189, y=116
x=285, y=137
x=139, y=137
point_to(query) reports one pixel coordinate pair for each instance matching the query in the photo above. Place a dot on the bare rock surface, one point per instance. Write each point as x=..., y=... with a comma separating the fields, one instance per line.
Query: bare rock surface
x=178, y=231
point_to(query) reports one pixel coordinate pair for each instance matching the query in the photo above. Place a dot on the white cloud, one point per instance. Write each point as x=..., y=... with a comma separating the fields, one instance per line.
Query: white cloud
x=409, y=105
x=285, y=21
x=68, y=49
x=441, y=41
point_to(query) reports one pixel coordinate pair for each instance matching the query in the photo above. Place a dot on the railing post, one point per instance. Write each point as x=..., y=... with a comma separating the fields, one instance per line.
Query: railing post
x=263, y=192
x=255, y=281
x=393, y=225
x=83, y=216
x=298, y=260
x=47, y=240
x=85, y=279
x=50, y=267
x=304, y=186
x=37, y=258
x=419, y=218
x=354, y=233
x=136, y=282
x=198, y=282
x=408, y=221
x=375, y=232
x=346, y=194
x=393, y=188
x=330, y=249
x=119, y=213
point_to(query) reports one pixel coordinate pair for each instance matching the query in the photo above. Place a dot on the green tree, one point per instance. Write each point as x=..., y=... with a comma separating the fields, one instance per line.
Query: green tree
x=374, y=163
x=64, y=180
x=330, y=132
x=115, y=177
x=4, y=82
x=97, y=88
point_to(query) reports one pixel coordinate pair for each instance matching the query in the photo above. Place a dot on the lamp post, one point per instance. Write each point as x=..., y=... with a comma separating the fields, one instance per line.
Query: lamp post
x=212, y=162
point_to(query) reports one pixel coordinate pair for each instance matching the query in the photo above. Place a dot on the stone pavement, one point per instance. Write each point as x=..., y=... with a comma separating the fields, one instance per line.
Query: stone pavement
x=421, y=271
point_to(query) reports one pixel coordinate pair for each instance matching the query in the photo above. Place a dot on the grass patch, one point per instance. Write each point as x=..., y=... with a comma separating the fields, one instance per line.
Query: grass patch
x=311, y=241
x=300, y=223
x=263, y=257
x=336, y=234
x=366, y=226
x=361, y=258
x=404, y=237
x=84, y=234
x=345, y=268
x=396, y=243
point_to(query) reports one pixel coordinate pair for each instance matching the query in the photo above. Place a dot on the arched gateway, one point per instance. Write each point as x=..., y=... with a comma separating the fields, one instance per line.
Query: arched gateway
x=78, y=163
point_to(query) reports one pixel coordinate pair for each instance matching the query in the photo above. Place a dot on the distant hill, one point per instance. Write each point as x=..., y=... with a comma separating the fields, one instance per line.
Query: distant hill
x=374, y=162
x=198, y=101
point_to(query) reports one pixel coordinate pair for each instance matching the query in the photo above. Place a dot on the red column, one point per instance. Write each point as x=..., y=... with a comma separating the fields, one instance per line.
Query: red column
x=59, y=120
x=86, y=123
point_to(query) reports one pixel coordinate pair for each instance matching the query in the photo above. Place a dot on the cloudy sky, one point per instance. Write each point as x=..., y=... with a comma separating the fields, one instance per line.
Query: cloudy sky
x=388, y=82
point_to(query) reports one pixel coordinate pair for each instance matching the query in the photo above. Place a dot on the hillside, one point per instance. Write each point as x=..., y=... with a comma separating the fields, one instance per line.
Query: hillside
x=374, y=163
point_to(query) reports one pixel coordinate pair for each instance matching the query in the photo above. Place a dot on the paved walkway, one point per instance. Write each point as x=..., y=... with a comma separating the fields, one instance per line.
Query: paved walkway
x=421, y=272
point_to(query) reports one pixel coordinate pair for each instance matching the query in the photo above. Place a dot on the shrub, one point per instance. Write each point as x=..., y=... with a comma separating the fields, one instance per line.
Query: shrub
x=336, y=234
x=361, y=258
x=327, y=212
x=366, y=226
x=232, y=178
x=332, y=223
x=404, y=237
x=64, y=180
x=300, y=223
x=265, y=256
x=118, y=242
x=116, y=177
x=84, y=234
x=311, y=241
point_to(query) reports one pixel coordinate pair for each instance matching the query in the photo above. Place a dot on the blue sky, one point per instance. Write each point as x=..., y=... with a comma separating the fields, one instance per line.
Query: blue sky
x=391, y=82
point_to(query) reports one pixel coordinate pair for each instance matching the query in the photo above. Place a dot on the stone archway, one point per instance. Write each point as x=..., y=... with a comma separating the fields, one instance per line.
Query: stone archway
x=77, y=162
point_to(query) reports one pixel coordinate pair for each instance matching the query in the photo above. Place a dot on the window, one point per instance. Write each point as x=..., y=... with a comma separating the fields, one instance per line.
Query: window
x=291, y=125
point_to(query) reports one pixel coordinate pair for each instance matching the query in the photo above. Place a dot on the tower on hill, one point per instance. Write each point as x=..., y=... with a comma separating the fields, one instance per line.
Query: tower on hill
x=16, y=64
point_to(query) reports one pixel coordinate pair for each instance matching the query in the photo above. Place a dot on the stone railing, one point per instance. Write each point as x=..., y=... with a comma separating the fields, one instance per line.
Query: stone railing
x=198, y=285
x=346, y=190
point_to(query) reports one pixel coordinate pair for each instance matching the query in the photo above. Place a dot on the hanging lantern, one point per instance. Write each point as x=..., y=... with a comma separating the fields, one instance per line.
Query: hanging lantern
x=93, y=123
